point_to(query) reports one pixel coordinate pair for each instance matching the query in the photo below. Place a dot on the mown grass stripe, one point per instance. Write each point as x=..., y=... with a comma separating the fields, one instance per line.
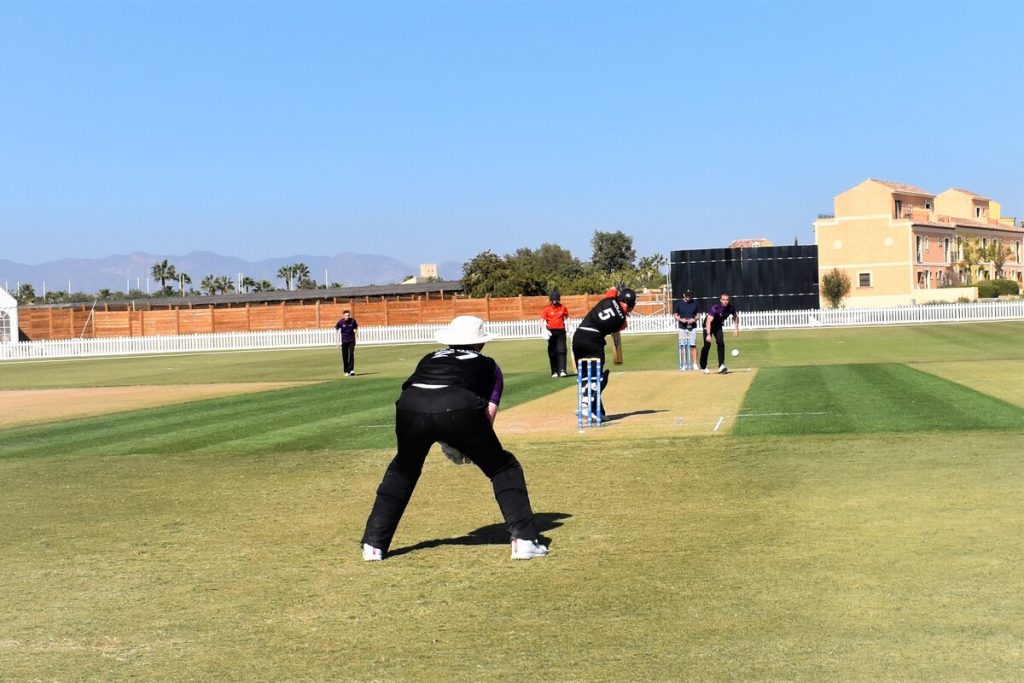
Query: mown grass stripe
x=304, y=418
x=865, y=398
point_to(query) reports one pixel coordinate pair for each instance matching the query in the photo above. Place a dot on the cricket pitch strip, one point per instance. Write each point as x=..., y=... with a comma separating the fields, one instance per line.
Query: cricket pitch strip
x=662, y=403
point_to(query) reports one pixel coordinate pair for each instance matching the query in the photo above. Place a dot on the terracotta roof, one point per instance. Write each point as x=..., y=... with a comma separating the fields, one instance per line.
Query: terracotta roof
x=903, y=188
x=975, y=195
x=756, y=242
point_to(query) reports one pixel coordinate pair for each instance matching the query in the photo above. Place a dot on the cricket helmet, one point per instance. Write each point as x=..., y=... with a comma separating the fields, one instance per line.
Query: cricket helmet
x=628, y=297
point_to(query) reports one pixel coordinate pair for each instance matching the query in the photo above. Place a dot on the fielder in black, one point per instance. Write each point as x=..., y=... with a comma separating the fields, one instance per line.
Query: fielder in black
x=452, y=397
x=609, y=315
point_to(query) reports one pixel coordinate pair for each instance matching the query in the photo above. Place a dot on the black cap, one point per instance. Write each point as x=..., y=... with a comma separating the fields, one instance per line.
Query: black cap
x=555, y=296
x=628, y=297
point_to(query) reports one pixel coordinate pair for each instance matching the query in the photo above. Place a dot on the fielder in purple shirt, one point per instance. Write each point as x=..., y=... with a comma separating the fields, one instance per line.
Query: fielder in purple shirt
x=713, y=324
x=346, y=328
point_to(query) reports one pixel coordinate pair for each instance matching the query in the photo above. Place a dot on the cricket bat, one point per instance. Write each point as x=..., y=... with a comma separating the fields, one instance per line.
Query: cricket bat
x=617, y=343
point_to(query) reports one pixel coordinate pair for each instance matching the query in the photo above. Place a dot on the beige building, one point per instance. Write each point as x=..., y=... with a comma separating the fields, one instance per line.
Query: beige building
x=900, y=244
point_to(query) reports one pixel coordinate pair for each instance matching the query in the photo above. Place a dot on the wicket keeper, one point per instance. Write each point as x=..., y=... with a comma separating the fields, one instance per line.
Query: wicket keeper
x=452, y=397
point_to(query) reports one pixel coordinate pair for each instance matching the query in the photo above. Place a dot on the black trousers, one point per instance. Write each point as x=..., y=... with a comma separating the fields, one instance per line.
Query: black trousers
x=587, y=344
x=706, y=349
x=348, y=356
x=459, y=418
x=556, y=351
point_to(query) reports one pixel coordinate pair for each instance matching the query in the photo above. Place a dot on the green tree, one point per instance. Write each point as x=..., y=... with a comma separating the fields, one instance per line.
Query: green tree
x=25, y=294
x=997, y=254
x=286, y=273
x=263, y=286
x=490, y=274
x=612, y=251
x=649, y=272
x=183, y=279
x=835, y=286
x=971, y=256
x=104, y=294
x=163, y=271
x=300, y=272
x=248, y=283
x=208, y=285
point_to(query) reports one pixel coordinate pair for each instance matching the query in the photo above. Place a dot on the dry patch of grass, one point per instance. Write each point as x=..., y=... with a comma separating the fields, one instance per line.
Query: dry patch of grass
x=22, y=407
x=666, y=403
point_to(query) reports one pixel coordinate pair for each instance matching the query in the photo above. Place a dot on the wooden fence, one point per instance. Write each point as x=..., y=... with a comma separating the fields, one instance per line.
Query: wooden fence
x=524, y=329
x=47, y=323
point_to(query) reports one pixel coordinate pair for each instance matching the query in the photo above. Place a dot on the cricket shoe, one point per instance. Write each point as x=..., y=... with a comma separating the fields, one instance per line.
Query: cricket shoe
x=722, y=370
x=562, y=373
x=371, y=554
x=524, y=549
x=706, y=371
x=554, y=374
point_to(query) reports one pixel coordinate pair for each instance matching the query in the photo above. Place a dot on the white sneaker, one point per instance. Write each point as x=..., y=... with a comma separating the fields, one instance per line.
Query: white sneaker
x=722, y=370
x=562, y=373
x=707, y=371
x=523, y=549
x=554, y=374
x=371, y=554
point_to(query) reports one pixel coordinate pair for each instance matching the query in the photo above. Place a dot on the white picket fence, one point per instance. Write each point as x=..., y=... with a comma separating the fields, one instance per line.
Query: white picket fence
x=519, y=329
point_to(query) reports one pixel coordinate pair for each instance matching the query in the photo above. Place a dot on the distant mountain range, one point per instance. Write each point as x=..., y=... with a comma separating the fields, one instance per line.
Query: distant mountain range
x=122, y=272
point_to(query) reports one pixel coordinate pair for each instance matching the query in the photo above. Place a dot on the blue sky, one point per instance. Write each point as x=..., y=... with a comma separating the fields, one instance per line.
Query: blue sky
x=431, y=131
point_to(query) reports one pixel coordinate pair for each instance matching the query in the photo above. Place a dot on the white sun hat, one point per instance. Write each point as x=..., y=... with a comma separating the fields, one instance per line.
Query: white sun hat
x=464, y=330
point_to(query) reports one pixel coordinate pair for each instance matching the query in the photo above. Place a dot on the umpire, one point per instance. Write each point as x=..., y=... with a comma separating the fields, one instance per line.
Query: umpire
x=452, y=397
x=609, y=315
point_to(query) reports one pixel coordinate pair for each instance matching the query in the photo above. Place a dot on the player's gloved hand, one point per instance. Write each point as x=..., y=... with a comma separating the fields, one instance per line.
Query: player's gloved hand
x=453, y=454
x=546, y=334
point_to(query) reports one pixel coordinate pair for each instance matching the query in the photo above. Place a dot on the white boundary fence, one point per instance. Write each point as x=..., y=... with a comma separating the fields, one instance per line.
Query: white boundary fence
x=518, y=329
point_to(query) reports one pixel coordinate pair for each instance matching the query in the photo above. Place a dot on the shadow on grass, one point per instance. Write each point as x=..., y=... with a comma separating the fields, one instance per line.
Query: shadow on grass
x=492, y=534
x=611, y=417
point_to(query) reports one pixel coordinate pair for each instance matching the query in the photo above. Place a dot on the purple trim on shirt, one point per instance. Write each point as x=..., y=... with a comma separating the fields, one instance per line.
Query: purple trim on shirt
x=499, y=385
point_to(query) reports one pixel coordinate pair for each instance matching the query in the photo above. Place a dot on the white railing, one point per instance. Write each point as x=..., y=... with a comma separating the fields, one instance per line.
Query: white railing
x=517, y=329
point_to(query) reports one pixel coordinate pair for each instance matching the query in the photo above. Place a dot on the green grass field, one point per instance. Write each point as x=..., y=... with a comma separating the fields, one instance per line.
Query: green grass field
x=863, y=521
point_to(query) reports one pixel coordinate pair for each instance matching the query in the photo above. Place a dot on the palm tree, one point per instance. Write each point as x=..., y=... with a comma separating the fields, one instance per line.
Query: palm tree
x=300, y=271
x=163, y=271
x=263, y=286
x=286, y=273
x=209, y=284
x=103, y=294
x=248, y=283
x=183, y=279
x=224, y=284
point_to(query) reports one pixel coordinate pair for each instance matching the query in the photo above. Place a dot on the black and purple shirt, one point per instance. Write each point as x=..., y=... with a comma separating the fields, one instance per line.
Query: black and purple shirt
x=455, y=367
x=347, y=328
x=719, y=314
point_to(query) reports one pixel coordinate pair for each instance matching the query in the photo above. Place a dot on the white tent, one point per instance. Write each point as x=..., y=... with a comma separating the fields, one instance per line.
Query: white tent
x=8, y=317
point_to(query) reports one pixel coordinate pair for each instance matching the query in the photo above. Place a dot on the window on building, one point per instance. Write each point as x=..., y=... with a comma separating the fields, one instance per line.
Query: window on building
x=927, y=243
x=922, y=279
x=864, y=279
x=928, y=205
x=899, y=208
x=1016, y=250
x=984, y=243
x=945, y=250
x=918, y=248
x=977, y=212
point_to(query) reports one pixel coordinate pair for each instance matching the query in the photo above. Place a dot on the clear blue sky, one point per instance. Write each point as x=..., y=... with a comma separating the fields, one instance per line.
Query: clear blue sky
x=431, y=131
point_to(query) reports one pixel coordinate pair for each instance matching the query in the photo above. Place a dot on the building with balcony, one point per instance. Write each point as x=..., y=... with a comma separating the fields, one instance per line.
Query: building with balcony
x=900, y=244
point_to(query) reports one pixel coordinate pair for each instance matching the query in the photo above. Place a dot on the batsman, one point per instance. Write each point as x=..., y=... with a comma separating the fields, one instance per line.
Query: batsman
x=588, y=341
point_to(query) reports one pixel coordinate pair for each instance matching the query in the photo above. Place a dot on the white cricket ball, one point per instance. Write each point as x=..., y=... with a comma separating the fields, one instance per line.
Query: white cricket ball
x=735, y=352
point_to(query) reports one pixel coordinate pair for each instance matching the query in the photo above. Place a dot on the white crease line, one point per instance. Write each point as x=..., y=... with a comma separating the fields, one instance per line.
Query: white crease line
x=719, y=423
